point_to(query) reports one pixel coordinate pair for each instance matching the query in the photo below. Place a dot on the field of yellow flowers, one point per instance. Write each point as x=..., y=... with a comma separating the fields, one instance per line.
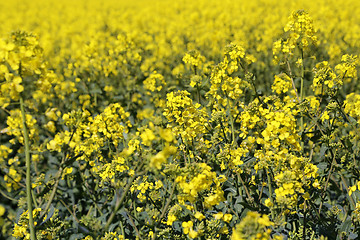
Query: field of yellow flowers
x=189, y=119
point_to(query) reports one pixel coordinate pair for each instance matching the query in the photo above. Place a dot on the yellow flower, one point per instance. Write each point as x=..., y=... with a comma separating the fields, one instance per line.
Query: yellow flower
x=157, y=160
x=352, y=189
x=227, y=217
x=199, y=216
x=268, y=202
x=187, y=226
x=193, y=234
x=166, y=134
x=218, y=215
x=171, y=219
x=147, y=137
x=2, y=210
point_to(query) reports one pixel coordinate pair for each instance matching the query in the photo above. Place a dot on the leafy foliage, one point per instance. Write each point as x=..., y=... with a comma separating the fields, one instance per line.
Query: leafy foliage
x=142, y=125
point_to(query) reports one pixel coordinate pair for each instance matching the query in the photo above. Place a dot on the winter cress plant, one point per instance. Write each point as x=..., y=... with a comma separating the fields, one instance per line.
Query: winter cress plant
x=129, y=121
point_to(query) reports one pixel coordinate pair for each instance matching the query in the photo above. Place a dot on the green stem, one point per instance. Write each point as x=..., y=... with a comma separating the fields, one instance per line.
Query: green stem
x=87, y=188
x=231, y=122
x=165, y=208
x=327, y=182
x=302, y=94
x=292, y=81
x=28, y=171
x=304, y=229
x=57, y=179
x=134, y=225
x=122, y=228
x=270, y=192
x=69, y=210
x=34, y=199
x=246, y=190
x=163, y=211
x=53, y=192
x=352, y=202
x=8, y=197
x=119, y=202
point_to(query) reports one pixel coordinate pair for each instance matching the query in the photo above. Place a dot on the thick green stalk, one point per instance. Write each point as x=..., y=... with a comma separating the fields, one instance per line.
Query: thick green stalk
x=28, y=171
x=302, y=94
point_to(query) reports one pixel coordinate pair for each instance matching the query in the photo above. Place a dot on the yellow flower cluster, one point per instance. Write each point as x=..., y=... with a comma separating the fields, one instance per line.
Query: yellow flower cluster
x=188, y=229
x=203, y=180
x=301, y=29
x=232, y=158
x=108, y=171
x=21, y=228
x=161, y=157
x=325, y=79
x=293, y=181
x=299, y=33
x=13, y=177
x=14, y=122
x=22, y=63
x=346, y=70
x=146, y=189
x=180, y=120
x=223, y=83
x=88, y=135
x=282, y=84
x=154, y=83
x=277, y=123
x=255, y=227
x=110, y=125
x=188, y=120
x=352, y=104
x=194, y=59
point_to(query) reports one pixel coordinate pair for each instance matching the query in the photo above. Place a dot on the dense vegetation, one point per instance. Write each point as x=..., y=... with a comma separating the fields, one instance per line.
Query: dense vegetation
x=179, y=120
